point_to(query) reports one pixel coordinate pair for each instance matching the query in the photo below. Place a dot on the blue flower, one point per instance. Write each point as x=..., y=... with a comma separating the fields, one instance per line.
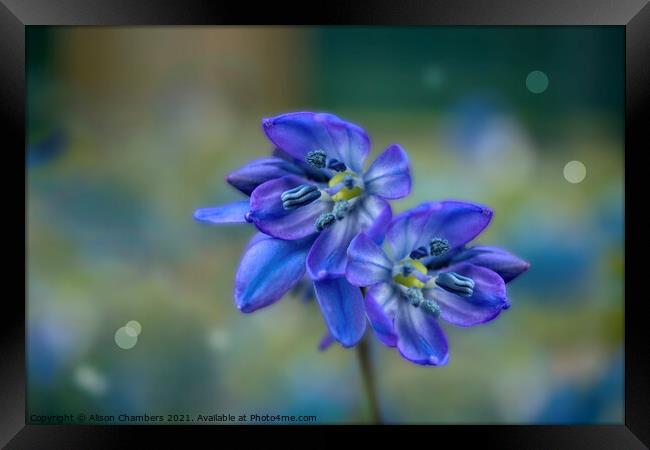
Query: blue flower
x=425, y=273
x=309, y=201
x=338, y=199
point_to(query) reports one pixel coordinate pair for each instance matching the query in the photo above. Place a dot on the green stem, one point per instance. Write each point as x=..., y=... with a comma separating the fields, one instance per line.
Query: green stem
x=367, y=375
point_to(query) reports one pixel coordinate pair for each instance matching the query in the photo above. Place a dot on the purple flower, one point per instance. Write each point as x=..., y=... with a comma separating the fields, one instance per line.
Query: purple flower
x=309, y=201
x=425, y=273
x=344, y=202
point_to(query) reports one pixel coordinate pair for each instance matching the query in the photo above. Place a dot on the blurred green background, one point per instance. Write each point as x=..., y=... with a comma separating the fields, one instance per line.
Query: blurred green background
x=131, y=129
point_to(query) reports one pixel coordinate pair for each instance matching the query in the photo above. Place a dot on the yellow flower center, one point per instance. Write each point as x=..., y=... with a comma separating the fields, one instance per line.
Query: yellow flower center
x=411, y=280
x=344, y=193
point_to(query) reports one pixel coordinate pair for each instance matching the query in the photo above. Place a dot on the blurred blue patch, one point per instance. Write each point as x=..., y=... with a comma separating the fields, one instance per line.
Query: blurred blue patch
x=595, y=403
x=44, y=359
x=47, y=149
x=563, y=256
x=51, y=345
x=557, y=269
x=311, y=391
x=101, y=216
x=609, y=214
x=471, y=119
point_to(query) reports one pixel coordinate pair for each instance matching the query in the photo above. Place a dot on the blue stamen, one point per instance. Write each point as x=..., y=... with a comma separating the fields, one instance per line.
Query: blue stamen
x=300, y=196
x=349, y=182
x=337, y=165
x=438, y=246
x=325, y=220
x=407, y=268
x=430, y=307
x=340, y=209
x=414, y=296
x=456, y=284
x=419, y=253
x=316, y=159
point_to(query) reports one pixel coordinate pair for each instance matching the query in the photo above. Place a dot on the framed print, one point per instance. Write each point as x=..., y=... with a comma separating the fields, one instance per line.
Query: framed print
x=246, y=219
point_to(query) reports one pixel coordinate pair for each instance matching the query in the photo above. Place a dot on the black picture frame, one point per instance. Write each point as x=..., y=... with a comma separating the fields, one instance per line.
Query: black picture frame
x=634, y=15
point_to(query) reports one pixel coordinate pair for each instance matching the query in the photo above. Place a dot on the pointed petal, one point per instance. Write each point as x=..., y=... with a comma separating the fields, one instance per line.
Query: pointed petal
x=488, y=300
x=374, y=215
x=270, y=217
x=419, y=336
x=350, y=142
x=381, y=302
x=234, y=212
x=268, y=269
x=507, y=265
x=259, y=171
x=326, y=342
x=456, y=221
x=389, y=176
x=328, y=255
x=404, y=232
x=342, y=307
x=367, y=263
x=301, y=132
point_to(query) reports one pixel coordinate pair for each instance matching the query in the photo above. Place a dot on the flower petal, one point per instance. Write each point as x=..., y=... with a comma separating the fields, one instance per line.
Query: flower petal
x=257, y=237
x=268, y=269
x=248, y=177
x=301, y=132
x=381, y=304
x=389, y=176
x=485, y=304
x=326, y=341
x=373, y=214
x=350, y=141
x=404, y=232
x=419, y=336
x=270, y=217
x=366, y=263
x=456, y=221
x=234, y=212
x=342, y=307
x=328, y=255
x=507, y=265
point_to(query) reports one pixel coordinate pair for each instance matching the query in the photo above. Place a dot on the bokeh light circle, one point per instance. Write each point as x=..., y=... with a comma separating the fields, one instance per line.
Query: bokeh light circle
x=537, y=81
x=125, y=339
x=433, y=77
x=575, y=172
x=130, y=331
x=134, y=326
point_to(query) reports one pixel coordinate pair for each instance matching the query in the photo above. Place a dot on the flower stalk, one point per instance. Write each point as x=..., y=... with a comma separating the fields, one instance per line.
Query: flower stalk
x=368, y=379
